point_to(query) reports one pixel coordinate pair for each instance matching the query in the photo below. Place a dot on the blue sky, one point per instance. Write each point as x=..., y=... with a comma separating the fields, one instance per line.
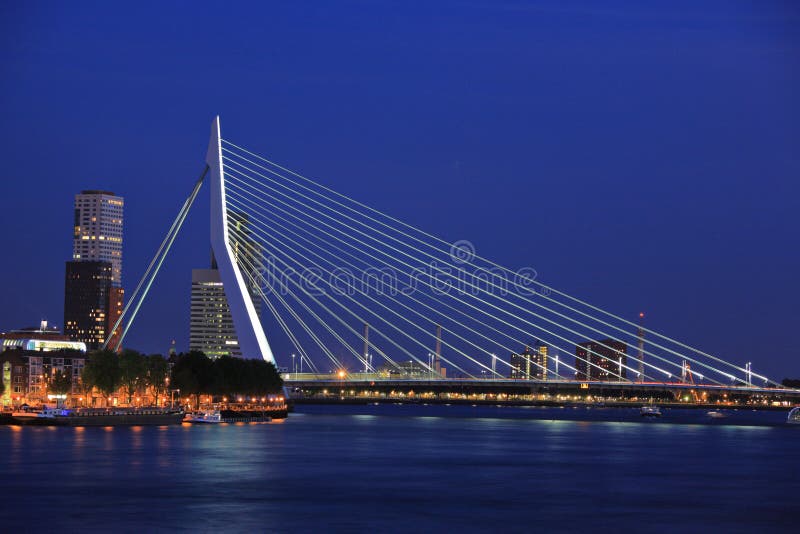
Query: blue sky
x=641, y=155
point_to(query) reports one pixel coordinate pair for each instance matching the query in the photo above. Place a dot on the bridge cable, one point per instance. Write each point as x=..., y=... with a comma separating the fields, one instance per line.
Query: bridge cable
x=543, y=286
x=157, y=260
x=473, y=296
x=484, y=291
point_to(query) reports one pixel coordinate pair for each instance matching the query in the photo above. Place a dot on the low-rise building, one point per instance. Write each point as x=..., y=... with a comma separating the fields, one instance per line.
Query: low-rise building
x=27, y=373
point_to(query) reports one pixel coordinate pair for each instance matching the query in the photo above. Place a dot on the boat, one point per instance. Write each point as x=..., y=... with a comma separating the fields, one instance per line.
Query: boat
x=97, y=417
x=650, y=411
x=206, y=417
x=794, y=416
x=716, y=414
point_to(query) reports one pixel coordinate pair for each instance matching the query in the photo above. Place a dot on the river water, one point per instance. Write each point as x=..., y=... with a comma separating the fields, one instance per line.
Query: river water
x=410, y=469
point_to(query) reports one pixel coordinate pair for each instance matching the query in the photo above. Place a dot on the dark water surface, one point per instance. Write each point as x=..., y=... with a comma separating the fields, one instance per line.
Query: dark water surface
x=411, y=469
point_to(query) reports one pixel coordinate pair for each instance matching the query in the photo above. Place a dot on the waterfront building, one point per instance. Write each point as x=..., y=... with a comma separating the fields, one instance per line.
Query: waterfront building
x=530, y=364
x=407, y=369
x=26, y=373
x=211, y=327
x=87, y=301
x=97, y=232
x=43, y=338
x=608, y=358
x=97, y=241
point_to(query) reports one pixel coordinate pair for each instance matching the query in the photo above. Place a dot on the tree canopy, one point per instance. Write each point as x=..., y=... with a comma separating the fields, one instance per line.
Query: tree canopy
x=60, y=383
x=196, y=374
x=133, y=369
x=102, y=370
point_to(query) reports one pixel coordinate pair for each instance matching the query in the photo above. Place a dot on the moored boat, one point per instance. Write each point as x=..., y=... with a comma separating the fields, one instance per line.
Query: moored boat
x=650, y=411
x=716, y=414
x=98, y=417
x=206, y=417
x=794, y=416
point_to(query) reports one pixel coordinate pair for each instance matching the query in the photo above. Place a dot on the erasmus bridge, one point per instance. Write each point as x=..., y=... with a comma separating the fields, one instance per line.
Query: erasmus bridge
x=368, y=301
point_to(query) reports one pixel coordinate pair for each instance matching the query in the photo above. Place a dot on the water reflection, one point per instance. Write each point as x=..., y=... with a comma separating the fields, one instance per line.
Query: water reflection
x=447, y=470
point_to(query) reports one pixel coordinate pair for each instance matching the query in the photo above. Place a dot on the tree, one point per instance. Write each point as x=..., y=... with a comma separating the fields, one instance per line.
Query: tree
x=262, y=378
x=192, y=374
x=133, y=368
x=228, y=376
x=157, y=374
x=102, y=371
x=60, y=383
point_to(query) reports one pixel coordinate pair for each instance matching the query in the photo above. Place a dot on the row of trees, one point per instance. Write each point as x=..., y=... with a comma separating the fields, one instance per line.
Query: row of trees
x=193, y=373
x=130, y=370
x=196, y=374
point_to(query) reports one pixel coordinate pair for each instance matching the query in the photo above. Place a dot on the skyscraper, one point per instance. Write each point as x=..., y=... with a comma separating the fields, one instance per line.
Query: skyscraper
x=87, y=288
x=603, y=360
x=211, y=327
x=98, y=230
x=93, y=296
x=531, y=364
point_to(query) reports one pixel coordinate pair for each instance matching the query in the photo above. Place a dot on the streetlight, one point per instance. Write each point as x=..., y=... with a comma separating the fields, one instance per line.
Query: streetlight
x=172, y=398
x=294, y=366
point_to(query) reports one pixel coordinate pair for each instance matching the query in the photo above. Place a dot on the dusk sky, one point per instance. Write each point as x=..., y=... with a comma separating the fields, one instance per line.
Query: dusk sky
x=642, y=156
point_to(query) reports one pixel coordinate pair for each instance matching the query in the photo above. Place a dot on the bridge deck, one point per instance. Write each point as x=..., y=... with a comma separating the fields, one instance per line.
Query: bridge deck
x=500, y=384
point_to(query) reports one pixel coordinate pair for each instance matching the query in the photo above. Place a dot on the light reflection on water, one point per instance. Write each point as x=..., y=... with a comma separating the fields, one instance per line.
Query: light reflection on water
x=420, y=468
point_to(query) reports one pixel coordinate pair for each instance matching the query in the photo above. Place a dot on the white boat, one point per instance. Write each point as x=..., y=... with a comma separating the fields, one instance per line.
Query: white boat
x=44, y=413
x=650, y=411
x=794, y=416
x=206, y=417
x=715, y=414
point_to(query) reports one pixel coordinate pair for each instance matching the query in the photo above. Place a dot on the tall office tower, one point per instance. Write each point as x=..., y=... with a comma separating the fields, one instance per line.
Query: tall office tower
x=98, y=230
x=531, y=364
x=211, y=327
x=87, y=289
x=97, y=237
x=608, y=358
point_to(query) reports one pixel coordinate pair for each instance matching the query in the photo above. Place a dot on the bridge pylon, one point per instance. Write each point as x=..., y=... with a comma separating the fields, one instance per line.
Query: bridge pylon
x=249, y=332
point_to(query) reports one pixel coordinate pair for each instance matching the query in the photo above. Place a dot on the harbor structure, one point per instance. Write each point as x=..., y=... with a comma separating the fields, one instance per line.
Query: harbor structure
x=602, y=360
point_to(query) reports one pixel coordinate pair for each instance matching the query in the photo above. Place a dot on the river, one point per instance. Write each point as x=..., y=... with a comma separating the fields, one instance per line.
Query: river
x=411, y=469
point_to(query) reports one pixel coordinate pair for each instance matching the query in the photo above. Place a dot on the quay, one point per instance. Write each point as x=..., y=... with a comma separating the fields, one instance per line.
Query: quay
x=536, y=393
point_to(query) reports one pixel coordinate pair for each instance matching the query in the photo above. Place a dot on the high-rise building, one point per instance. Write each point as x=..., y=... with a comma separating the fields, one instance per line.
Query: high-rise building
x=87, y=290
x=211, y=327
x=97, y=233
x=93, y=297
x=603, y=360
x=531, y=364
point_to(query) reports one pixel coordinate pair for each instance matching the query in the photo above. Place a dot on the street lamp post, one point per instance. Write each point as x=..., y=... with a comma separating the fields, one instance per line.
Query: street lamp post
x=172, y=398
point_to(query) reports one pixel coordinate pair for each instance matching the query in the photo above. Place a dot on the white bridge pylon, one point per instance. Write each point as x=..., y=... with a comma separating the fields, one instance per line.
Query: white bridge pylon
x=250, y=334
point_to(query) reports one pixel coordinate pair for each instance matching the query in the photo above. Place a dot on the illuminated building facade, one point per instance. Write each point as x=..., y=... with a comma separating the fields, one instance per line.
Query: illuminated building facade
x=97, y=232
x=97, y=241
x=407, y=369
x=87, y=300
x=26, y=373
x=530, y=364
x=211, y=327
x=608, y=358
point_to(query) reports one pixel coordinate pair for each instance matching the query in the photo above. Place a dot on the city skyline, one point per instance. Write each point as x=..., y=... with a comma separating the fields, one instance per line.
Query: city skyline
x=702, y=223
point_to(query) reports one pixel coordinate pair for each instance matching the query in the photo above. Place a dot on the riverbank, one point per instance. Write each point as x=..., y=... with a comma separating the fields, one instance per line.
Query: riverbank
x=355, y=401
